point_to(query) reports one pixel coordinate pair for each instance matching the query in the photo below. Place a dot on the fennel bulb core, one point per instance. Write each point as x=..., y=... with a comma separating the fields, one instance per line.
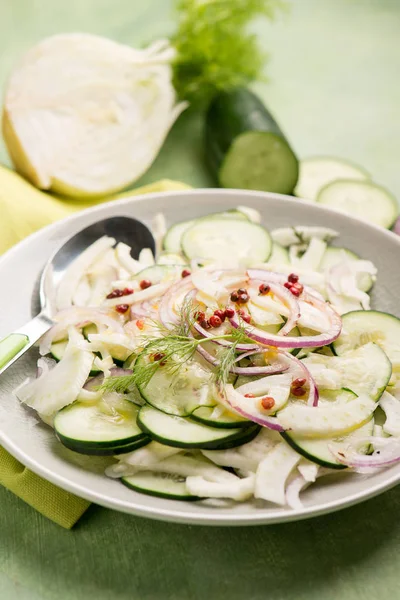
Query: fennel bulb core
x=86, y=116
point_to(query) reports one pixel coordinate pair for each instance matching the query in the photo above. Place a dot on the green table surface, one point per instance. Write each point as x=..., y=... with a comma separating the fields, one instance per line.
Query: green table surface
x=334, y=86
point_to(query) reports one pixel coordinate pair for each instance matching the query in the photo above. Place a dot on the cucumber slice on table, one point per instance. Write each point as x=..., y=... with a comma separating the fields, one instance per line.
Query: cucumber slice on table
x=226, y=420
x=94, y=429
x=184, y=433
x=334, y=256
x=163, y=485
x=318, y=171
x=245, y=147
x=172, y=239
x=363, y=326
x=364, y=200
x=318, y=450
x=227, y=241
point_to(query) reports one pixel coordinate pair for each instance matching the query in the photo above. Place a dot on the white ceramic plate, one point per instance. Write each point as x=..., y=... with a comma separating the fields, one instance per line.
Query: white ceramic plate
x=35, y=445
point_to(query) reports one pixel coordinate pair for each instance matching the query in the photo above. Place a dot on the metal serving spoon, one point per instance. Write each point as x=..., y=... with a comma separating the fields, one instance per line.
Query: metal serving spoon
x=123, y=229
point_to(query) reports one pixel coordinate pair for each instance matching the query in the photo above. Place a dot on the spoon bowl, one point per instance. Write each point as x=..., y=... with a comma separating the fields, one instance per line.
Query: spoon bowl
x=123, y=229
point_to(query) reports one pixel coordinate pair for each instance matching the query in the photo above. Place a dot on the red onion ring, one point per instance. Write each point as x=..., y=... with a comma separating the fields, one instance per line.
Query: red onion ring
x=166, y=312
x=286, y=297
x=313, y=395
x=386, y=457
x=307, y=341
x=268, y=276
x=264, y=421
x=272, y=369
x=240, y=347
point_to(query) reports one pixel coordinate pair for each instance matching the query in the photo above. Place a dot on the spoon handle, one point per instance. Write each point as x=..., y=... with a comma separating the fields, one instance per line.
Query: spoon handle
x=17, y=343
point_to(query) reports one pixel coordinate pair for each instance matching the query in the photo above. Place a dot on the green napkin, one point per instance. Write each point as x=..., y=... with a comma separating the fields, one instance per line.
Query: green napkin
x=24, y=210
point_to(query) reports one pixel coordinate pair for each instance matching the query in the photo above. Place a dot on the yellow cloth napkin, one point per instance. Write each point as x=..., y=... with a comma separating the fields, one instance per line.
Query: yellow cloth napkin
x=23, y=210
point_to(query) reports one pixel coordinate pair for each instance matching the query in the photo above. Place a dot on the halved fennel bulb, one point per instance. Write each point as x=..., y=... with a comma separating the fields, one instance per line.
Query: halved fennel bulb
x=86, y=116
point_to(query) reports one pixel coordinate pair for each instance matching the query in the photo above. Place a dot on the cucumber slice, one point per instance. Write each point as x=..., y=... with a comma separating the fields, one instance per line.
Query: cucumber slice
x=245, y=147
x=228, y=242
x=172, y=239
x=108, y=451
x=318, y=450
x=365, y=370
x=317, y=172
x=363, y=326
x=158, y=273
x=162, y=485
x=171, y=258
x=91, y=328
x=184, y=433
x=279, y=255
x=227, y=420
x=334, y=256
x=86, y=427
x=177, y=393
x=361, y=199
x=57, y=350
x=329, y=419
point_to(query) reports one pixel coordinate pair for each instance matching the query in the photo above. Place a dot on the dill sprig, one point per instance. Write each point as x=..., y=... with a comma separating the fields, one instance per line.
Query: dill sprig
x=172, y=351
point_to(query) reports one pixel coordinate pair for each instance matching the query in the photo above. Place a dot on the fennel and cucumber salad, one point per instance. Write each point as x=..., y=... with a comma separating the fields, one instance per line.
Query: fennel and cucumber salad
x=238, y=363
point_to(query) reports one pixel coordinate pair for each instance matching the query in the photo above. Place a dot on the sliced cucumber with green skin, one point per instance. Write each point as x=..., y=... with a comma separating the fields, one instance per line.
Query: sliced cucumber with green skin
x=364, y=200
x=334, y=256
x=318, y=171
x=107, y=451
x=227, y=420
x=162, y=485
x=231, y=241
x=171, y=258
x=178, y=393
x=279, y=255
x=363, y=326
x=100, y=426
x=245, y=148
x=91, y=328
x=365, y=370
x=172, y=239
x=318, y=450
x=157, y=273
x=184, y=433
x=57, y=350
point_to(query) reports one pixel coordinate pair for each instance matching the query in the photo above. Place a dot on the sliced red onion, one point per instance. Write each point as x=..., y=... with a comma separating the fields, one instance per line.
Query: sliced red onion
x=396, y=227
x=308, y=341
x=388, y=454
x=97, y=380
x=144, y=310
x=229, y=396
x=168, y=317
x=77, y=317
x=249, y=371
x=268, y=276
x=286, y=297
x=313, y=395
x=209, y=334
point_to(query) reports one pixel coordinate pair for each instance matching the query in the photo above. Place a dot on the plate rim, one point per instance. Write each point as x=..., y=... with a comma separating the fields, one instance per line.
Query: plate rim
x=282, y=514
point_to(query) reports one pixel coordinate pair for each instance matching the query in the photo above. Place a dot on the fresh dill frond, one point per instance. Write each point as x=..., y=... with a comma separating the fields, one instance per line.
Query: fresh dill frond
x=171, y=349
x=215, y=48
